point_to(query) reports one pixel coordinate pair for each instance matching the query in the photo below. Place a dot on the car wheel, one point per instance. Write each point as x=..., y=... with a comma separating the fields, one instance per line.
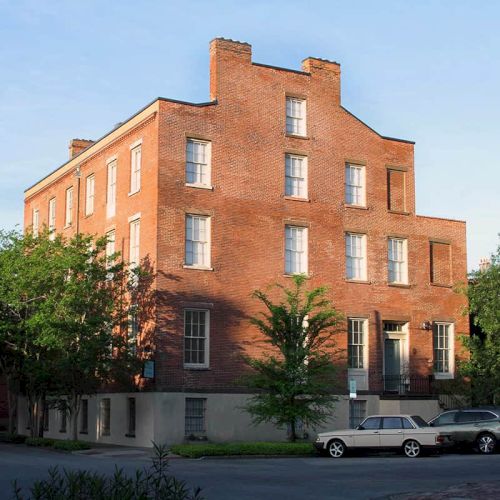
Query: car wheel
x=336, y=448
x=485, y=443
x=412, y=448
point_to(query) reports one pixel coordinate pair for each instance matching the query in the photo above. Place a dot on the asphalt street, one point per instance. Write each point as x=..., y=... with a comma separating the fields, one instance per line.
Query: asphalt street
x=365, y=477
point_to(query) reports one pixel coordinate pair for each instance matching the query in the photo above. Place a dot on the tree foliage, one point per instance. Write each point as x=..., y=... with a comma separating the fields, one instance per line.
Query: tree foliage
x=483, y=365
x=294, y=382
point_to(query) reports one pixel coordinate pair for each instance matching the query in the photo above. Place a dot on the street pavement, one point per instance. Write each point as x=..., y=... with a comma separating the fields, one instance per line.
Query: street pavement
x=364, y=477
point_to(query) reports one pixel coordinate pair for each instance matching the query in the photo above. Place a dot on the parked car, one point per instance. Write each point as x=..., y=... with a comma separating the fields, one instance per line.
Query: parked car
x=410, y=434
x=466, y=416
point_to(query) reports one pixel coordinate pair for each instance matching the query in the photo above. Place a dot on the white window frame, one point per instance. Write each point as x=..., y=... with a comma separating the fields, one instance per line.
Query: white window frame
x=135, y=168
x=355, y=185
x=201, y=418
x=450, y=348
x=356, y=257
x=397, y=260
x=112, y=171
x=134, y=242
x=200, y=170
x=358, y=373
x=193, y=258
x=68, y=216
x=89, y=194
x=296, y=113
x=36, y=222
x=110, y=246
x=52, y=218
x=206, y=343
x=295, y=182
x=296, y=249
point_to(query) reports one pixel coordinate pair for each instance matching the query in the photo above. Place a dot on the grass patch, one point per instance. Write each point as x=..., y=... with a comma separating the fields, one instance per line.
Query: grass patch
x=37, y=441
x=232, y=449
x=5, y=437
x=71, y=445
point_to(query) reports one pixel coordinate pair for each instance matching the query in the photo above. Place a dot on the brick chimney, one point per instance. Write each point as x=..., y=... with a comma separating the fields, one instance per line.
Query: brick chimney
x=326, y=70
x=226, y=57
x=76, y=146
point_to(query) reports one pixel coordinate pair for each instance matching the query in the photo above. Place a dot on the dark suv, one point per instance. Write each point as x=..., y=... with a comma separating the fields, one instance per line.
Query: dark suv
x=466, y=416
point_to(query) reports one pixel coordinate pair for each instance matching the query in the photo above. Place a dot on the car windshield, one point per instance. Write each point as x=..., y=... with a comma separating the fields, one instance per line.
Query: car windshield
x=419, y=421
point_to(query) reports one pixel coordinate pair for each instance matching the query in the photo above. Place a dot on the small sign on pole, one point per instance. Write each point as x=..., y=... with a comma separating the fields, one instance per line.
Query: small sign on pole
x=148, y=371
x=352, y=389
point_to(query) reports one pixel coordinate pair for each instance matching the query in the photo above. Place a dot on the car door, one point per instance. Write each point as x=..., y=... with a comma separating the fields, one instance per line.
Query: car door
x=391, y=432
x=368, y=433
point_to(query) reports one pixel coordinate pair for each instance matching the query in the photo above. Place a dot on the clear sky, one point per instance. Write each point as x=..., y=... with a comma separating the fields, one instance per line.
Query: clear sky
x=422, y=70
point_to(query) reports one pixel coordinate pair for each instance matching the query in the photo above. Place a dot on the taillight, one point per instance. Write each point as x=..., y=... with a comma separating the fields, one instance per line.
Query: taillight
x=439, y=439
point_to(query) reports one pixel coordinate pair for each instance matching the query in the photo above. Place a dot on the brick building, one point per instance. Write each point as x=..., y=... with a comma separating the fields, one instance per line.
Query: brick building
x=271, y=177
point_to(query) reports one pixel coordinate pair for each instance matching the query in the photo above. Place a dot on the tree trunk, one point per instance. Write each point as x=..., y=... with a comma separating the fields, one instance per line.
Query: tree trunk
x=12, y=396
x=74, y=410
x=293, y=436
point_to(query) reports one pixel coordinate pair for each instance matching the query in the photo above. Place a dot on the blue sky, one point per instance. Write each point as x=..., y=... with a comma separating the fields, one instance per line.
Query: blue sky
x=422, y=70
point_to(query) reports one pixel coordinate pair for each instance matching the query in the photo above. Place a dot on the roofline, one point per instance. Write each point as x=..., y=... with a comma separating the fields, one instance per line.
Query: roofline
x=441, y=218
x=96, y=142
x=279, y=68
x=373, y=130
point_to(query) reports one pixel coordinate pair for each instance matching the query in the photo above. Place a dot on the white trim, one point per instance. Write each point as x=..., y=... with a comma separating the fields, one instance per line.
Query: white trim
x=360, y=374
x=305, y=170
x=111, y=158
x=362, y=180
x=207, y=164
x=363, y=257
x=134, y=217
x=136, y=143
x=451, y=350
x=206, y=346
x=200, y=186
x=304, y=253
x=404, y=267
x=89, y=207
x=135, y=175
x=207, y=242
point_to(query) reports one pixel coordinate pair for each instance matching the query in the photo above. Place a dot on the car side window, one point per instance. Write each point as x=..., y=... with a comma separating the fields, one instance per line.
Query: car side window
x=371, y=423
x=487, y=415
x=392, y=423
x=407, y=424
x=445, y=418
x=468, y=416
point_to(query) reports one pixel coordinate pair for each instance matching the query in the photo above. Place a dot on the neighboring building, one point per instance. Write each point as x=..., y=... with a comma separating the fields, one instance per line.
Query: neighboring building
x=271, y=177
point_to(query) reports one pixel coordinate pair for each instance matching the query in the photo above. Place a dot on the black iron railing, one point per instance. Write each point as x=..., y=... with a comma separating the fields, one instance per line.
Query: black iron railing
x=408, y=384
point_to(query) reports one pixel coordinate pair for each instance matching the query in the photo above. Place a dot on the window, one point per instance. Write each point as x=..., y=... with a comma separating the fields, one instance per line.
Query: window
x=36, y=223
x=355, y=249
x=443, y=348
x=135, y=232
x=52, y=218
x=198, y=171
x=63, y=420
x=296, y=176
x=398, y=260
x=372, y=423
x=131, y=417
x=195, y=416
x=355, y=185
x=408, y=425
x=357, y=412
x=110, y=247
x=84, y=417
x=132, y=329
x=295, y=116
x=445, y=418
x=392, y=423
x=105, y=416
x=396, y=190
x=111, y=190
x=440, y=263
x=89, y=195
x=69, y=207
x=197, y=241
x=135, y=169
x=356, y=342
x=196, y=338
x=295, y=250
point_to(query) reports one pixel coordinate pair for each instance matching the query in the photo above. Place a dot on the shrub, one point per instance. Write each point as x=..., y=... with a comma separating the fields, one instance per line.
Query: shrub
x=71, y=445
x=38, y=441
x=257, y=448
x=12, y=438
x=148, y=483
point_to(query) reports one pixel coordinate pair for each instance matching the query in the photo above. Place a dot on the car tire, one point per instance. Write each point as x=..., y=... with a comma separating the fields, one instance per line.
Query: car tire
x=336, y=448
x=412, y=448
x=486, y=443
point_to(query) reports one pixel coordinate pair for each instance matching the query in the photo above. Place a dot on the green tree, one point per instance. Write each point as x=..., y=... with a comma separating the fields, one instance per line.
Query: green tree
x=483, y=365
x=296, y=381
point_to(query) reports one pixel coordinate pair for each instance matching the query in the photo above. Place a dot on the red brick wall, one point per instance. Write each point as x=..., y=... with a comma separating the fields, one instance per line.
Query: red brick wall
x=246, y=127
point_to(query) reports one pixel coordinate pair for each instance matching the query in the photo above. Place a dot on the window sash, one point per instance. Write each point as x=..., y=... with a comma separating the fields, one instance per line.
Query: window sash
x=296, y=176
x=295, y=250
x=356, y=343
x=36, y=223
x=135, y=169
x=69, y=207
x=111, y=191
x=355, y=256
x=195, y=415
x=89, y=195
x=295, y=116
x=355, y=185
x=442, y=348
x=357, y=412
x=197, y=252
x=135, y=230
x=198, y=162
x=397, y=260
x=196, y=334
